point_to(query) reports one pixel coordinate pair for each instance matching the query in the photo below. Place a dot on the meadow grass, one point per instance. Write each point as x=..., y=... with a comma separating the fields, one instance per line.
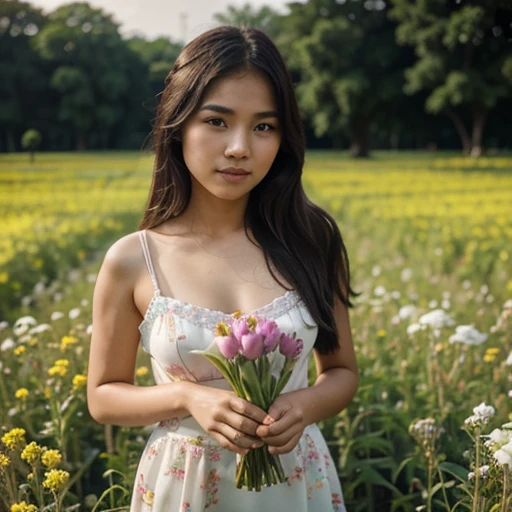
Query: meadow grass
x=424, y=232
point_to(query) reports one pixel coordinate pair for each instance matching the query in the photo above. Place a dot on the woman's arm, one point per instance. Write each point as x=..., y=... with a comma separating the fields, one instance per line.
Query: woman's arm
x=112, y=396
x=335, y=386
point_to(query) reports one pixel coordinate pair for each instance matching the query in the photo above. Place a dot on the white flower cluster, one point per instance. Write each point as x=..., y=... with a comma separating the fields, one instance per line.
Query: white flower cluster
x=481, y=415
x=467, y=335
x=500, y=443
x=425, y=430
x=482, y=470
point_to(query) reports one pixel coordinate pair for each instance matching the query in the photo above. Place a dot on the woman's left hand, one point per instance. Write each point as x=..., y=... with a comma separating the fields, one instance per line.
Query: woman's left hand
x=284, y=425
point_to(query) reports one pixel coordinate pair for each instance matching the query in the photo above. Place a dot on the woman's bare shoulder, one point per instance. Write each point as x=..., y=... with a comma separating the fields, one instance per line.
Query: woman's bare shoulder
x=125, y=256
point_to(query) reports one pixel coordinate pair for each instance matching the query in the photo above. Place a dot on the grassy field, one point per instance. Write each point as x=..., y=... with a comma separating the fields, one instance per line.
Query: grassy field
x=428, y=237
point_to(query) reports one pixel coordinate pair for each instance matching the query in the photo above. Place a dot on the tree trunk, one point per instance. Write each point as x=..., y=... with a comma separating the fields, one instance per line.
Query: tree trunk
x=479, y=119
x=359, y=136
x=80, y=142
x=461, y=130
x=11, y=144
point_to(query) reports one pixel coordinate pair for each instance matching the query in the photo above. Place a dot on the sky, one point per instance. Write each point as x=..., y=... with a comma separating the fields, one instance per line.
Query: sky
x=178, y=19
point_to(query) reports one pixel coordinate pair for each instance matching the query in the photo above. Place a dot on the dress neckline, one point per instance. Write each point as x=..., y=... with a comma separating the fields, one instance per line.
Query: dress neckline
x=206, y=316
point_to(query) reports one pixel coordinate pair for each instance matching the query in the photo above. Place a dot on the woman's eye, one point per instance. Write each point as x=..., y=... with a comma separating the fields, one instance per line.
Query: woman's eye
x=216, y=121
x=264, y=127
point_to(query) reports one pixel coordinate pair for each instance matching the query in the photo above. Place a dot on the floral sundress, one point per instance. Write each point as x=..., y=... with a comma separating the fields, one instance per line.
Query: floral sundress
x=182, y=469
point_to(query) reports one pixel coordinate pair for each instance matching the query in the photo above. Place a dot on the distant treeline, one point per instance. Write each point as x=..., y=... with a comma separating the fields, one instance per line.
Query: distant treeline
x=393, y=74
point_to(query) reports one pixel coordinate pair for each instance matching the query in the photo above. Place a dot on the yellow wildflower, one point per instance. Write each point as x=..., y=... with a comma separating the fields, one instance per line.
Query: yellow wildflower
x=22, y=506
x=4, y=460
x=141, y=371
x=14, y=438
x=381, y=333
x=51, y=458
x=55, y=479
x=4, y=277
x=47, y=393
x=79, y=381
x=31, y=453
x=492, y=351
x=19, y=350
x=66, y=341
x=489, y=358
x=21, y=393
x=30, y=476
x=57, y=370
x=60, y=367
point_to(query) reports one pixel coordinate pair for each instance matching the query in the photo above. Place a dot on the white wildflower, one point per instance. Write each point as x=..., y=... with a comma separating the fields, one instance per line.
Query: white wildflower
x=504, y=455
x=376, y=270
x=84, y=303
x=3, y=325
x=467, y=335
x=74, y=313
x=38, y=329
x=395, y=294
x=466, y=284
x=22, y=325
x=25, y=301
x=379, y=291
x=446, y=304
x=89, y=330
x=413, y=328
x=484, y=410
x=436, y=319
x=406, y=275
x=508, y=362
x=438, y=251
x=510, y=394
x=39, y=288
x=91, y=278
x=56, y=315
x=432, y=304
x=7, y=344
x=407, y=311
x=508, y=304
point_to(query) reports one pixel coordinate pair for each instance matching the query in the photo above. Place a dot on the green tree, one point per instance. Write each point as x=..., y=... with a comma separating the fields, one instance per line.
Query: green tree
x=30, y=141
x=159, y=56
x=350, y=69
x=22, y=82
x=94, y=73
x=265, y=18
x=464, y=59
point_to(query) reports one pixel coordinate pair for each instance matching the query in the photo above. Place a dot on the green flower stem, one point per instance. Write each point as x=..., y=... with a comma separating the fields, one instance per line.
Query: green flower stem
x=506, y=496
x=476, y=497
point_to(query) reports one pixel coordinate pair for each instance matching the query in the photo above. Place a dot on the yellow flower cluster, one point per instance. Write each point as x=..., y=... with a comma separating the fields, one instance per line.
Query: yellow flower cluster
x=490, y=354
x=14, y=438
x=19, y=350
x=4, y=460
x=141, y=371
x=22, y=506
x=60, y=367
x=21, y=393
x=79, y=381
x=31, y=453
x=51, y=458
x=55, y=479
x=66, y=341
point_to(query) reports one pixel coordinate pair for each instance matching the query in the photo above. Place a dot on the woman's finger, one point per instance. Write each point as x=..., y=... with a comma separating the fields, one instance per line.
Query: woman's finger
x=279, y=426
x=287, y=448
x=236, y=437
x=283, y=438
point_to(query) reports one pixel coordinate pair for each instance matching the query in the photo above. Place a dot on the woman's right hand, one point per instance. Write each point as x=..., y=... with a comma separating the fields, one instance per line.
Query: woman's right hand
x=230, y=420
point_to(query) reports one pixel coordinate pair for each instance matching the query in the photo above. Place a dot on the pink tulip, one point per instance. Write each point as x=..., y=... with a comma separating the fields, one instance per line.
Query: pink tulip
x=240, y=328
x=271, y=333
x=252, y=345
x=228, y=346
x=289, y=346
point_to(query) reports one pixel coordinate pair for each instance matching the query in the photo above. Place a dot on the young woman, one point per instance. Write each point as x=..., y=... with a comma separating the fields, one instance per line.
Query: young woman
x=227, y=228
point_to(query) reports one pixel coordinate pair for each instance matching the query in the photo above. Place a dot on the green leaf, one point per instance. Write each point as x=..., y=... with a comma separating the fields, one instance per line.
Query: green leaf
x=457, y=471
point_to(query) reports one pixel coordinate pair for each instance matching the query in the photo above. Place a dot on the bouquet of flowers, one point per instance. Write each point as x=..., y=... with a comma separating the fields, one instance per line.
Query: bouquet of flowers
x=246, y=354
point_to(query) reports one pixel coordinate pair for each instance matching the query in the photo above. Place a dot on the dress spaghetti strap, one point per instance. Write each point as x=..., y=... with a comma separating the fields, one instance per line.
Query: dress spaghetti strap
x=147, y=258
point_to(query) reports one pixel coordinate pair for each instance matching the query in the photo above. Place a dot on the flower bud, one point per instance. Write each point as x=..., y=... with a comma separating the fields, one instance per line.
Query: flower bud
x=228, y=346
x=252, y=345
x=289, y=346
x=240, y=328
x=270, y=331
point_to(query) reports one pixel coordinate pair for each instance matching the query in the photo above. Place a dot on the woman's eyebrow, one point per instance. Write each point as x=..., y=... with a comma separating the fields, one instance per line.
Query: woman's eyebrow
x=226, y=110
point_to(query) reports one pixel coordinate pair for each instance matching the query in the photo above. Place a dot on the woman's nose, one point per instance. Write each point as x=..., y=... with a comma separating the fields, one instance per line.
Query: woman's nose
x=238, y=145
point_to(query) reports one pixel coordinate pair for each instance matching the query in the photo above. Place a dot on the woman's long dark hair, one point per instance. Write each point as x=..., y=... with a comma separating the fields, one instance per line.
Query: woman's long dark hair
x=298, y=238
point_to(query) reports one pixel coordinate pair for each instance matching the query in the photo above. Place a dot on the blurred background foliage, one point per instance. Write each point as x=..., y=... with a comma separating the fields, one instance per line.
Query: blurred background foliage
x=370, y=74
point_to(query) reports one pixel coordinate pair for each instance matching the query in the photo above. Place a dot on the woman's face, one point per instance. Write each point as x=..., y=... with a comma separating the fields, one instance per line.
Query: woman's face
x=232, y=139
